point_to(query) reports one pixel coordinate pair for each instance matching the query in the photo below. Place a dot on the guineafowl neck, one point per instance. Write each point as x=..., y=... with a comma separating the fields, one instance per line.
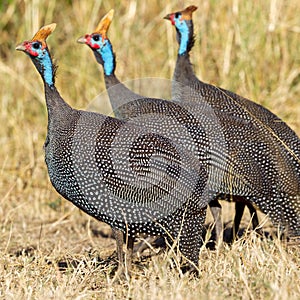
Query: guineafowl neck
x=184, y=72
x=111, y=80
x=55, y=103
x=57, y=108
x=59, y=112
x=119, y=94
x=184, y=80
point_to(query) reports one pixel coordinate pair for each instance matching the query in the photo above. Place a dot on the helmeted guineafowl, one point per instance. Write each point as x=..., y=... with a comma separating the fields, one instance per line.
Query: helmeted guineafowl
x=133, y=179
x=282, y=201
x=122, y=99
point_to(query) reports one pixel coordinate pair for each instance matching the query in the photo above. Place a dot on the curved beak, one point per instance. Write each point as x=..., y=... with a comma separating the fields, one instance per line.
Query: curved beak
x=21, y=47
x=81, y=40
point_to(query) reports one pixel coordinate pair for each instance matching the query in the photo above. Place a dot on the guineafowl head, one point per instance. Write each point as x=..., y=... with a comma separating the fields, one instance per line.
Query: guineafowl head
x=101, y=45
x=183, y=22
x=37, y=50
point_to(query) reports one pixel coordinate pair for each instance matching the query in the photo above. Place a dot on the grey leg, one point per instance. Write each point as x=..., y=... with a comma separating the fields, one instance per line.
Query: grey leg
x=129, y=253
x=119, y=242
x=216, y=211
x=123, y=269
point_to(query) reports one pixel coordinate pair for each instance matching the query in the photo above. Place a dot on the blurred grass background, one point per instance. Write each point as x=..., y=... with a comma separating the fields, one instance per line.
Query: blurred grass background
x=249, y=47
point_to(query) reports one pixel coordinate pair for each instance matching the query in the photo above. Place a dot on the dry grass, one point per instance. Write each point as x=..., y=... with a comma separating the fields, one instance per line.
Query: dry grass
x=49, y=249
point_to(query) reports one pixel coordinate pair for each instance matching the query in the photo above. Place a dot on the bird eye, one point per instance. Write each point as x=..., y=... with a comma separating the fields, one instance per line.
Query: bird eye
x=36, y=45
x=177, y=15
x=96, y=37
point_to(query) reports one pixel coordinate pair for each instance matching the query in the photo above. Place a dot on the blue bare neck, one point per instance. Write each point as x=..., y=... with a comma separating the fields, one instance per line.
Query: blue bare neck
x=108, y=58
x=45, y=68
x=184, y=35
x=184, y=41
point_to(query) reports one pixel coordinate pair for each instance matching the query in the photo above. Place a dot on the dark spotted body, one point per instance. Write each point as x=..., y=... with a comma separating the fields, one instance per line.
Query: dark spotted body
x=264, y=148
x=142, y=186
